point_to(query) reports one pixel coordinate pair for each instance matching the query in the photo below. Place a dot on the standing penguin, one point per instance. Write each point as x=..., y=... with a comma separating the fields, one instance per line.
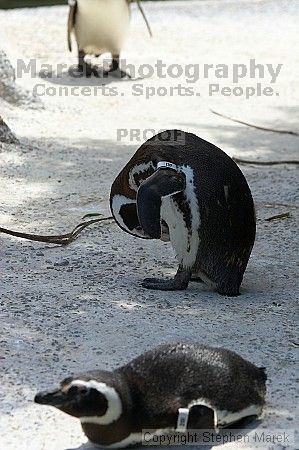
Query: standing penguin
x=100, y=26
x=181, y=188
x=175, y=387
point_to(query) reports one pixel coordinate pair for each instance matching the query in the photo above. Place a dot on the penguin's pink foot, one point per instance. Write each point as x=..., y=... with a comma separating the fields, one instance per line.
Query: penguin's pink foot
x=163, y=285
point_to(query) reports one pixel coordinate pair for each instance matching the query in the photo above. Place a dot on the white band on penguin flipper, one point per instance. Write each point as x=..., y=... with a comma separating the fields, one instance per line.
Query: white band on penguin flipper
x=167, y=165
x=182, y=422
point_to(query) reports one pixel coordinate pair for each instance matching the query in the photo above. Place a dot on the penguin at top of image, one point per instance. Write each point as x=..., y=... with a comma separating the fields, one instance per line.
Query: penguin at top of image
x=172, y=388
x=100, y=26
x=183, y=189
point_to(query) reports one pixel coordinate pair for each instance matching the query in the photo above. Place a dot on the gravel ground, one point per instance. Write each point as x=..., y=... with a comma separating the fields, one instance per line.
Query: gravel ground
x=68, y=309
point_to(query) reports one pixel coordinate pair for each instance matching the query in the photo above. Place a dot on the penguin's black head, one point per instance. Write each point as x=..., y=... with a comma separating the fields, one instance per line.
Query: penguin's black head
x=141, y=216
x=84, y=398
x=123, y=196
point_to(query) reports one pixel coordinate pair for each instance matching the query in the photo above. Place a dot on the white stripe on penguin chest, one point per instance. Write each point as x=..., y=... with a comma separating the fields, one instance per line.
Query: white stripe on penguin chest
x=101, y=25
x=184, y=240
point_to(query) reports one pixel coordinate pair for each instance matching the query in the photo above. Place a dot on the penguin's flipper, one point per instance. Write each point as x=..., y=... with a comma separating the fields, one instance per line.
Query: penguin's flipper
x=162, y=183
x=144, y=18
x=71, y=21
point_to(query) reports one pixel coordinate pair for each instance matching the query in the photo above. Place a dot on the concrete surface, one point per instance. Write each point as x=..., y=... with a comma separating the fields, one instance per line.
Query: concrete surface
x=67, y=309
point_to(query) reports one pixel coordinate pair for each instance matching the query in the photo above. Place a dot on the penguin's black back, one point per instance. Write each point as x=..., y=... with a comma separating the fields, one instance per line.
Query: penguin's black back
x=227, y=217
x=173, y=375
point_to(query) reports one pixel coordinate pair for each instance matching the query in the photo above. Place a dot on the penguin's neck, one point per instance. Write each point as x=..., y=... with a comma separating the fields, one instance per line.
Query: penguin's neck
x=109, y=435
x=119, y=430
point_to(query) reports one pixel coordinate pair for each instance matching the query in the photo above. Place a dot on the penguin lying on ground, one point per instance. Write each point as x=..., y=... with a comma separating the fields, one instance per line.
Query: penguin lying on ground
x=175, y=387
x=181, y=188
x=100, y=26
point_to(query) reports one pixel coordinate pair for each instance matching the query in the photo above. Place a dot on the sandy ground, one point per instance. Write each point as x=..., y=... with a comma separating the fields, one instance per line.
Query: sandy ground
x=68, y=309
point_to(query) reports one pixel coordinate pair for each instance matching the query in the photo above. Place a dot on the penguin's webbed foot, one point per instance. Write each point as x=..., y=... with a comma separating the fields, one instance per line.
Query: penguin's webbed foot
x=178, y=283
x=118, y=73
x=84, y=68
x=162, y=285
x=115, y=71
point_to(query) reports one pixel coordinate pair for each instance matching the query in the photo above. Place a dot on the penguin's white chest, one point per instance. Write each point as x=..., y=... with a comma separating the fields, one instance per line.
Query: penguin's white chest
x=101, y=26
x=184, y=240
x=178, y=232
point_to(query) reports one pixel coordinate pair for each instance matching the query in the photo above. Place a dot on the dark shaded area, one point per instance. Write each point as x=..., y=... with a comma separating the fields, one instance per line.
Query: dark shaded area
x=266, y=145
x=9, y=4
x=6, y=135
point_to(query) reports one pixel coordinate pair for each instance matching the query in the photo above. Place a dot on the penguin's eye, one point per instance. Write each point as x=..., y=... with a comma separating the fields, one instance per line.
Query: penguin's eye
x=77, y=390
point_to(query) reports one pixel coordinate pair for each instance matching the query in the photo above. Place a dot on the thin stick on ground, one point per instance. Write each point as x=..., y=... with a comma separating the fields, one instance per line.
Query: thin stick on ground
x=285, y=215
x=63, y=239
x=258, y=127
x=278, y=205
x=264, y=163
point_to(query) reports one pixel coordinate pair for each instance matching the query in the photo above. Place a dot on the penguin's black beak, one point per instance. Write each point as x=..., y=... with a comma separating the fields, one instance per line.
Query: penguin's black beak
x=55, y=398
x=160, y=184
x=64, y=397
